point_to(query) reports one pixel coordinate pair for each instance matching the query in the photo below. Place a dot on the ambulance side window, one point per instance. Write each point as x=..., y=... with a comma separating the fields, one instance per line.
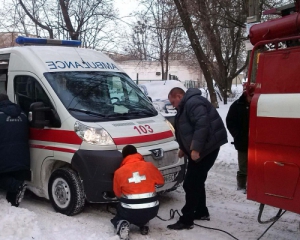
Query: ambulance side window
x=3, y=81
x=27, y=91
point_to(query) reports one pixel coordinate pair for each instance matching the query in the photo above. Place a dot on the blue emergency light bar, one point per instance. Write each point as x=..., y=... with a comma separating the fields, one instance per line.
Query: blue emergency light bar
x=44, y=41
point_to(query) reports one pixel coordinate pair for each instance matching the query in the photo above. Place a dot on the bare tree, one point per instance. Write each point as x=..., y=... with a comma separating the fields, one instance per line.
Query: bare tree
x=216, y=30
x=157, y=34
x=12, y=18
x=34, y=15
x=87, y=20
x=166, y=30
x=215, y=36
x=78, y=13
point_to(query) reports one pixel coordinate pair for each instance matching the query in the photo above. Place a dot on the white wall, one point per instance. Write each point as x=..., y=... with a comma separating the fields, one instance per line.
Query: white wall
x=146, y=70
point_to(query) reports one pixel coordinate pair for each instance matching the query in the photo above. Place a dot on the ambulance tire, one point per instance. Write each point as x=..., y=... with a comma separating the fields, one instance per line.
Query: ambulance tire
x=66, y=192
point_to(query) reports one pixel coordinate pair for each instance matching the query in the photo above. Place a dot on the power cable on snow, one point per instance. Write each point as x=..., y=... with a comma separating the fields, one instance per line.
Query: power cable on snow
x=172, y=215
x=173, y=212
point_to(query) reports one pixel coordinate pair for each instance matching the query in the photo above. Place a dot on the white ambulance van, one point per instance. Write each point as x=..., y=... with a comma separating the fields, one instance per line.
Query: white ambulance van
x=83, y=109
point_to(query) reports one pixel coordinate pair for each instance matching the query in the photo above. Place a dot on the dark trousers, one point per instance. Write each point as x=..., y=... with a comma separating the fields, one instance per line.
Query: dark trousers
x=11, y=181
x=194, y=187
x=241, y=175
x=138, y=217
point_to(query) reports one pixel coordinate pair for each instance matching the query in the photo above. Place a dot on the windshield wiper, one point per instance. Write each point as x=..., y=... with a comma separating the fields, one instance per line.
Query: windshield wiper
x=87, y=112
x=138, y=107
x=130, y=113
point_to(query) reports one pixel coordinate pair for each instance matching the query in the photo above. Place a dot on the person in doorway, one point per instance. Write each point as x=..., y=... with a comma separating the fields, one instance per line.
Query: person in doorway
x=134, y=185
x=237, y=122
x=14, y=150
x=200, y=132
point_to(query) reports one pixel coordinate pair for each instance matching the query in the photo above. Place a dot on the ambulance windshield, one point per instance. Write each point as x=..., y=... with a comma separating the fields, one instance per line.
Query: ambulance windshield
x=101, y=95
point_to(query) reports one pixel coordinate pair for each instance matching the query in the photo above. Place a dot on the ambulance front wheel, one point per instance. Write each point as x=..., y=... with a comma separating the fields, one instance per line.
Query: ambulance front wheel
x=66, y=191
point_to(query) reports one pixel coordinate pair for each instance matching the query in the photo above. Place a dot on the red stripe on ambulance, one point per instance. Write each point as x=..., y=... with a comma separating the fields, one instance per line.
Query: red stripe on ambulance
x=53, y=148
x=143, y=138
x=57, y=136
x=70, y=137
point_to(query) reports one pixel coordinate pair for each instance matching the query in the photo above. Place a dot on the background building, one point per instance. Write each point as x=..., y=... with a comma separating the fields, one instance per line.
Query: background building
x=146, y=71
x=7, y=39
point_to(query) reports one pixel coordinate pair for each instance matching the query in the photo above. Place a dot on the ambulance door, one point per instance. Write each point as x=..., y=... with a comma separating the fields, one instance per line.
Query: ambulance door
x=28, y=90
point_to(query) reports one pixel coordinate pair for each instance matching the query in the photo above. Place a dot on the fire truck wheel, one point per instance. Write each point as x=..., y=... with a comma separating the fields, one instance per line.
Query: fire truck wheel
x=66, y=191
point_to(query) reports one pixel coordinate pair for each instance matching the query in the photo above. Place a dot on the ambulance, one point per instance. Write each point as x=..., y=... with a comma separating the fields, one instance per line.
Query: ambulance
x=274, y=134
x=83, y=109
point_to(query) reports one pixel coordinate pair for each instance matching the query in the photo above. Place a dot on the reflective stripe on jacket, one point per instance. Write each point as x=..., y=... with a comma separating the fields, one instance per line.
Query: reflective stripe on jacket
x=139, y=201
x=134, y=182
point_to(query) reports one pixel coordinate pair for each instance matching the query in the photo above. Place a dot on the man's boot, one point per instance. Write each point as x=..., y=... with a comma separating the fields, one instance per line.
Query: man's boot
x=241, y=182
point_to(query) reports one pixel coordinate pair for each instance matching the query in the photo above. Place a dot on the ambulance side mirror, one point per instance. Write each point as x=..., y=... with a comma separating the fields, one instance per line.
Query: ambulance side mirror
x=37, y=115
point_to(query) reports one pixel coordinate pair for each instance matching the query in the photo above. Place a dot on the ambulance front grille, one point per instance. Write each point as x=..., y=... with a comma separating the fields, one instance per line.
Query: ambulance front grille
x=170, y=158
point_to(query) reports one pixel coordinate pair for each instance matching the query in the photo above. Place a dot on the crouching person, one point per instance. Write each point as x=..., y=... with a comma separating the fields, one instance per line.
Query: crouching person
x=14, y=150
x=134, y=185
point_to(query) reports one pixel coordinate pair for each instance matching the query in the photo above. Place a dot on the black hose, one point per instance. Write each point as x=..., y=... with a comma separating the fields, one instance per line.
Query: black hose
x=172, y=215
x=173, y=212
x=276, y=219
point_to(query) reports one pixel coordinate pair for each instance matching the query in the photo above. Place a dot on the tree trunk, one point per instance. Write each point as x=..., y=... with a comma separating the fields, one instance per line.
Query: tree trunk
x=35, y=20
x=162, y=69
x=64, y=9
x=195, y=43
x=212, y=94
x=224, y=93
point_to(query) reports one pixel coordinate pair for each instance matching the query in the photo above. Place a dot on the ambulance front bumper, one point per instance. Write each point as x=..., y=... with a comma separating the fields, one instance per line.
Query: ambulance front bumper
x=96, y=170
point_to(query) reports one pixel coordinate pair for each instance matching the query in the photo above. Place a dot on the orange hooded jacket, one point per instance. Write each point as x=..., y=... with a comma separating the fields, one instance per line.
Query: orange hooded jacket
x=136, y=176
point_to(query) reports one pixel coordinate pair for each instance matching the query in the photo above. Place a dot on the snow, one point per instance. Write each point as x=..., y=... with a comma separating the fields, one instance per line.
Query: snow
x=229, y=209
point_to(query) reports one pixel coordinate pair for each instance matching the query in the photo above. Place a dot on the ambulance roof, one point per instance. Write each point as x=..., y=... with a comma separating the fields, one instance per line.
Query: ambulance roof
x=57, y=58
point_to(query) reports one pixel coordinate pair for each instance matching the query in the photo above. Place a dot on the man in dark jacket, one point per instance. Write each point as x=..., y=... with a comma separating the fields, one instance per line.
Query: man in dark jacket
x=14, y=150
x=200, y=132
x=237, y=121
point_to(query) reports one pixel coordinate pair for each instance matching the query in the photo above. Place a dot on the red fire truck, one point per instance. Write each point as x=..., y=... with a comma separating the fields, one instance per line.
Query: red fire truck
x=274, y=135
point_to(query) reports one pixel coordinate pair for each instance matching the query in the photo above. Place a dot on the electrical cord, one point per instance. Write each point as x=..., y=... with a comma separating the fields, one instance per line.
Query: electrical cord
x=216, y=229
x=173, y=212
x=172, y=215
x=276, y=219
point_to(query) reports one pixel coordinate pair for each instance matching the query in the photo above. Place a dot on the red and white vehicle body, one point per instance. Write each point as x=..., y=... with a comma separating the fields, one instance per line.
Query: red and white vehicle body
x=274, y=134
x=83, y=110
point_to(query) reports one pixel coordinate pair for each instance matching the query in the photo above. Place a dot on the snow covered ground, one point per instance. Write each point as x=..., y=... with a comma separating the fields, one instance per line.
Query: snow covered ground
x=229, y=209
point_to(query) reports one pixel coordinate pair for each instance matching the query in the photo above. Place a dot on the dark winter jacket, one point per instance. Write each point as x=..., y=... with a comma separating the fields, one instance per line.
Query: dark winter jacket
x=198, y=125
x=14, y=146
x=237, y=122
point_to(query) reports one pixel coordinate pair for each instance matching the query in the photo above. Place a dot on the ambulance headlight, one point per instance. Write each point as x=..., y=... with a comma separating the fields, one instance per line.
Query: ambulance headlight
x=170, y=126
x=97, y=136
